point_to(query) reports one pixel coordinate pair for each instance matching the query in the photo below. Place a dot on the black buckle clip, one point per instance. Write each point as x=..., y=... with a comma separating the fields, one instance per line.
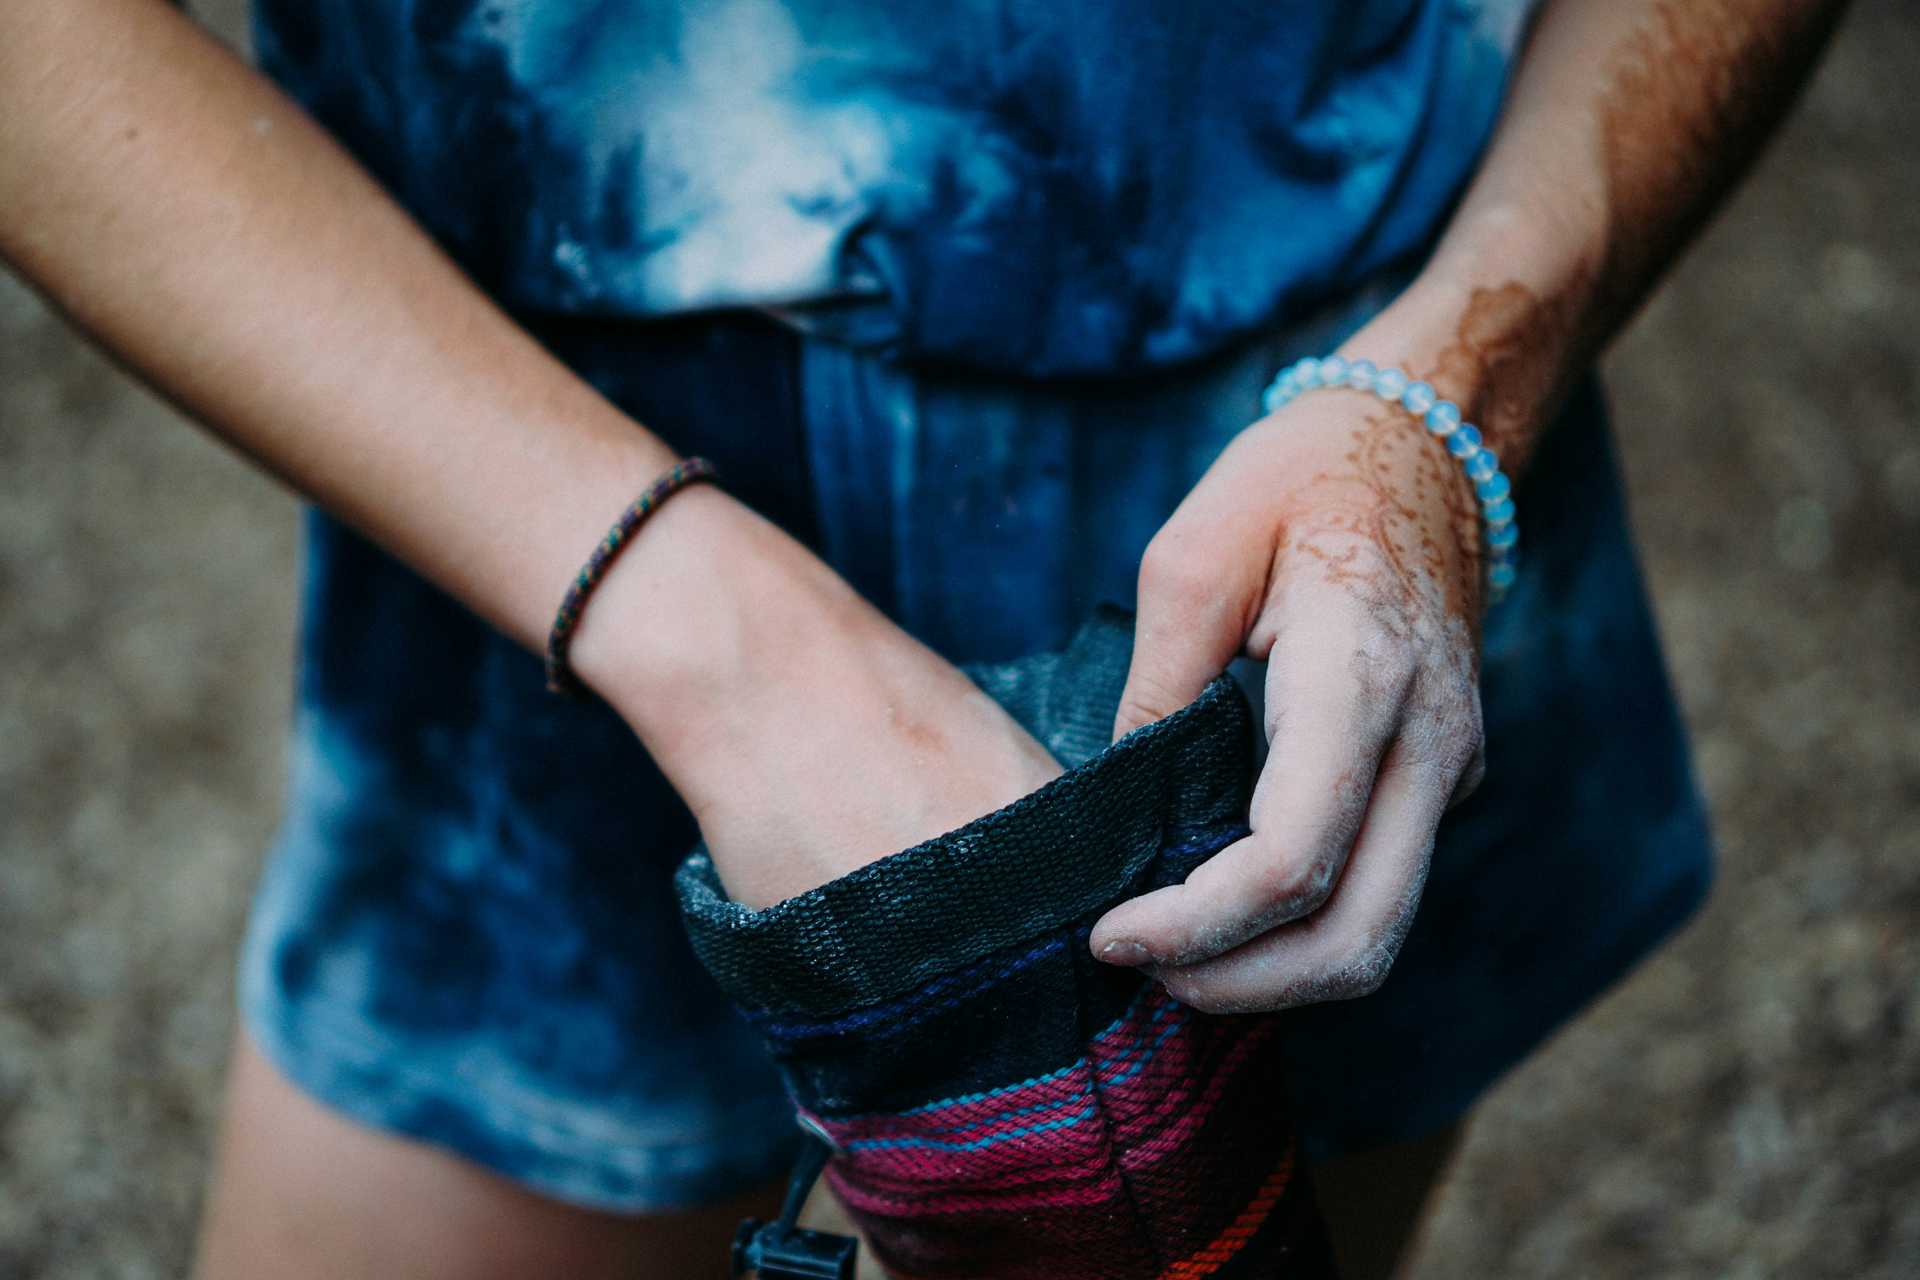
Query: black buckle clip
x=779, y=1250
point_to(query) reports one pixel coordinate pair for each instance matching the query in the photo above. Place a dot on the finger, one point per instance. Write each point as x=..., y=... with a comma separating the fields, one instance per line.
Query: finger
x=1328, y=731
x=1347, y=948
x=1185, y=633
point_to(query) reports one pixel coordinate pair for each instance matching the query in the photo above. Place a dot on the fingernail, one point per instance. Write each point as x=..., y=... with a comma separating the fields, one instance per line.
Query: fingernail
x=1126, y=953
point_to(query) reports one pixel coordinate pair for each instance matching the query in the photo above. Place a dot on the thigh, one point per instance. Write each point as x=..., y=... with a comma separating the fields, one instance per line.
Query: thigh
x=303, y=1192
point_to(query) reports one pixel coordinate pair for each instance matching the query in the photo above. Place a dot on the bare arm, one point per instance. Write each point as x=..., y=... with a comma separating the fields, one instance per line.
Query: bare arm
x=1628, y=125
x=1340, y=543
x=210, y=235
x=191, y=218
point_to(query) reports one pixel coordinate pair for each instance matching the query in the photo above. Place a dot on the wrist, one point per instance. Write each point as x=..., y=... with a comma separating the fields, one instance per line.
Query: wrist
x=1503, y=339
x=670, y=620
x=707, y=625
x=1414, y=461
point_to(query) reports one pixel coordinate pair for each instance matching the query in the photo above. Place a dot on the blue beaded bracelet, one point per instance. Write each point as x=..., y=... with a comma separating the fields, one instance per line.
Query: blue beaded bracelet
x=1442, y=419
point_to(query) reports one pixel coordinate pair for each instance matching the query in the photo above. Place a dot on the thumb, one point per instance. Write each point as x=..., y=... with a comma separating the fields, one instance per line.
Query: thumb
x=1185, y=635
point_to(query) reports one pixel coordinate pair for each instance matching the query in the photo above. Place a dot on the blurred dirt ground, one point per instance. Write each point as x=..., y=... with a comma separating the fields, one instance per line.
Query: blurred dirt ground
x=1748, y=1105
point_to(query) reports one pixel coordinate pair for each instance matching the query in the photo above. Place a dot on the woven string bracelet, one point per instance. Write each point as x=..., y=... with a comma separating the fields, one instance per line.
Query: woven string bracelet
x=1442, y=420
x=560, y=676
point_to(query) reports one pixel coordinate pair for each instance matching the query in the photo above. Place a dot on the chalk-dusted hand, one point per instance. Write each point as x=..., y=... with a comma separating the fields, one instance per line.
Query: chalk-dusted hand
x=1336, y=541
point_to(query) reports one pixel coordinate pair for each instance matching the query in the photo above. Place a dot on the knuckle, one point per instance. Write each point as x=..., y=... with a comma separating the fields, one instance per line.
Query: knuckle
x=1147, y=699
x=1283, y=887
x=1347, y=984
x=1365, y=972
x=1473, y=738
x=1290, y=889
x=1353, y=986
x=1317, y=890
x=1169, y=571
x=1349, y=968
x=1470, y=779
x=1467, y=756
x=1383, y=664
x=1457, y=751
x=1464, y=720
x=1447, y=733
x=1472, y=731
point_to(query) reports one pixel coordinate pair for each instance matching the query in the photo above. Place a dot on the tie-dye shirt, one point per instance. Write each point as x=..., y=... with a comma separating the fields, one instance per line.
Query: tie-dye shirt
x=1040, y=187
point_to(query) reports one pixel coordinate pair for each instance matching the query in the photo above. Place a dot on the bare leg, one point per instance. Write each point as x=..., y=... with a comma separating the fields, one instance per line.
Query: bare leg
x=302, y=1192
x=1376, y=1202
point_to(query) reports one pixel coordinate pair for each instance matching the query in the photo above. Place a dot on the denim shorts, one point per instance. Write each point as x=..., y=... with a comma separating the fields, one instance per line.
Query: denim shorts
x=466, y=933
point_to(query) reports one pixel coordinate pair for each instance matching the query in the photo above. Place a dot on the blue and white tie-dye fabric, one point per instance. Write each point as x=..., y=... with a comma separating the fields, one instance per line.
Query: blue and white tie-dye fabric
x=466, y=933
x=1031, y=186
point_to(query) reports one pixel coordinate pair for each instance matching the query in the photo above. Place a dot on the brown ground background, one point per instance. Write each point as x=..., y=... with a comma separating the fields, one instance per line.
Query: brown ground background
x=1747, y=1106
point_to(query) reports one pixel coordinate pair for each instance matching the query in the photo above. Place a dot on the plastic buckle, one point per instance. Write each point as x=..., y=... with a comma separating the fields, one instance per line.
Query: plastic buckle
x=774, y=1251
x=779, y=1250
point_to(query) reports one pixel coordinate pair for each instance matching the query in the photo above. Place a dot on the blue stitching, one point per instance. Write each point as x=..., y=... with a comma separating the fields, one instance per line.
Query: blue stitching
x=894, y=1010
x=1145, y=1054
x=1136, y=1046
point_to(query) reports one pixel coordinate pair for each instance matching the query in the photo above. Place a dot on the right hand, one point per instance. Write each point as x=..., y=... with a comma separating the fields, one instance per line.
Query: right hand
x=808, y=733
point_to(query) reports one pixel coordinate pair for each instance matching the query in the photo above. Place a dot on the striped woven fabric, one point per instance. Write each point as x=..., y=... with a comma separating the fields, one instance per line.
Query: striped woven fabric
x=1001, y=1104
x=1161, y=1151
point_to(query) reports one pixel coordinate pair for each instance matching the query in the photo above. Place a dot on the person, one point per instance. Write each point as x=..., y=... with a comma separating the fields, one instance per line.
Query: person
x=972, y=305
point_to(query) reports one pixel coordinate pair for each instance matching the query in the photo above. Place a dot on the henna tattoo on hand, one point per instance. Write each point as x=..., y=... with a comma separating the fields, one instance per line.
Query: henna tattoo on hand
x=1395, y=525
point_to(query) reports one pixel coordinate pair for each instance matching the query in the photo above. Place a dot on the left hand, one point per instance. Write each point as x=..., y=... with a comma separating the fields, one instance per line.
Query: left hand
x=1338, y=542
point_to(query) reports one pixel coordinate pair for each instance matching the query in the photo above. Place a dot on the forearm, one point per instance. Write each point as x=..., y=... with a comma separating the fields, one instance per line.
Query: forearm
x=1343, y=549
x=190, y=217
x=1628, y=122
